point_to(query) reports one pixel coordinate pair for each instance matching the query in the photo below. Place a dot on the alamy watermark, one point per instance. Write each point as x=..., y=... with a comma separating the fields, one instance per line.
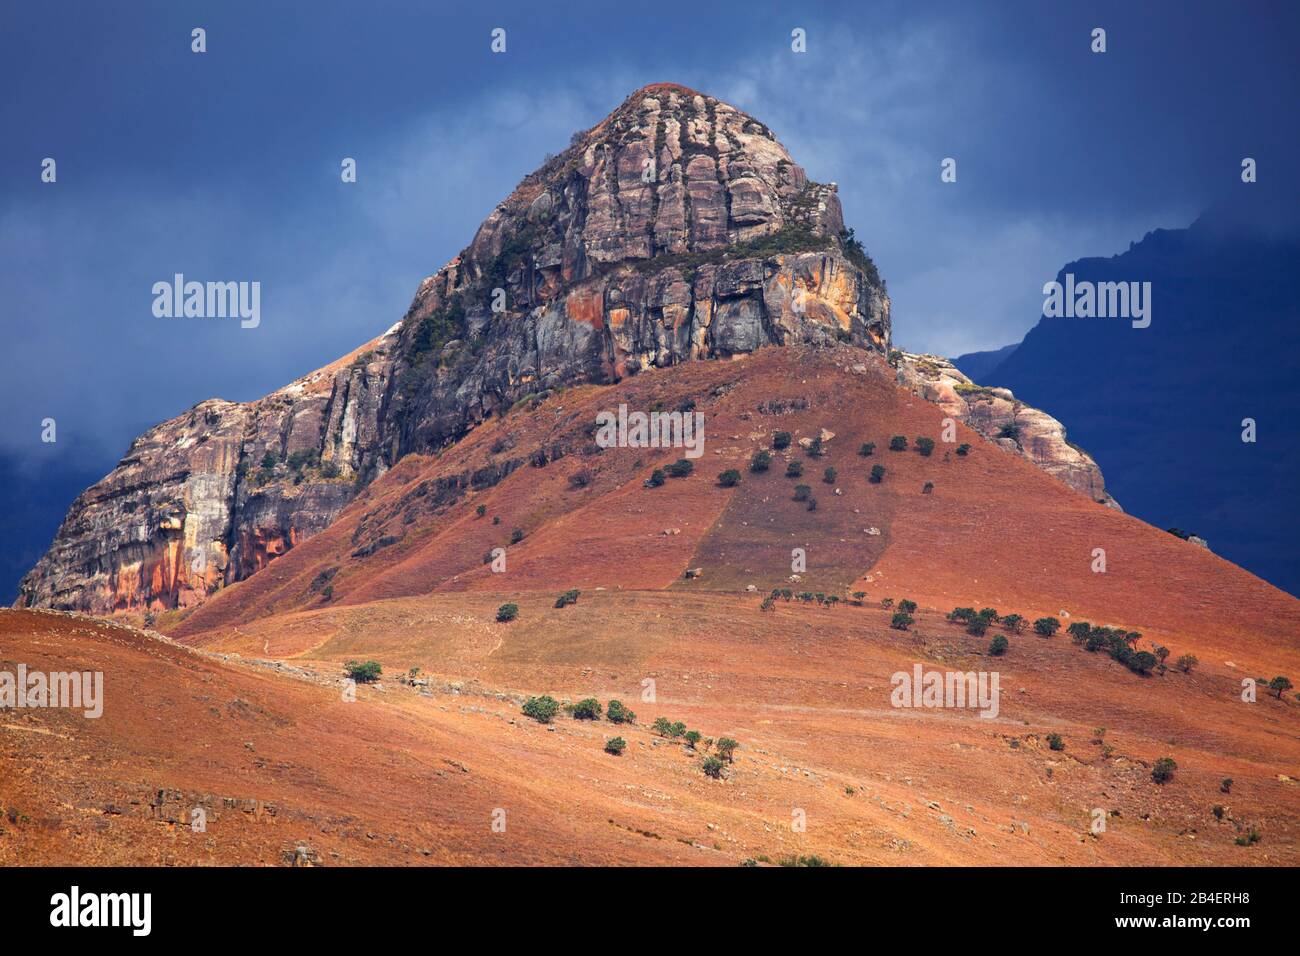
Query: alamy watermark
x=77, y=690
x=944, y=689
x=1099, y=300
x=626, y=429
x=208, y=300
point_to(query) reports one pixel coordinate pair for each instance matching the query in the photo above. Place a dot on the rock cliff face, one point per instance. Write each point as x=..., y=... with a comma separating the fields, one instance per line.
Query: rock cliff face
x=1004, y=420
x=676, y=229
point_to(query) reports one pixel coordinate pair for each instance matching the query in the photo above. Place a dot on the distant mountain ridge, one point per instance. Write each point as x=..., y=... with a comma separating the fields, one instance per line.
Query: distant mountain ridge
x=1162, y=409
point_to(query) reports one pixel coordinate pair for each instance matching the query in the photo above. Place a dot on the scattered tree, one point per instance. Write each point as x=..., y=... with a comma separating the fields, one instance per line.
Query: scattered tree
x=729, y=478
x=363, y=672
x=517, y=535
x=802, y=492
x=898, y=443
x=1279, y=685
x=828, y=476
x=712, y=767
x=568, y=597
x=1055, y=742
x=1186, y=662
x=619, y=714
x=507, y=613
x=781, y=441
x=1163, y=770
x=542, y=709
x=998, y=646
x=761, y=462
x=615, y=746
x=1047, y=626
x=481, y=510
x=877, y=474
x=794, y=469
x=901, y=621
x=1226, y=785
x=925, y=445
x=726, y=748
x=587, y=709
x=681, y=468
x=868, y=449
x=657, y=478
x=963, y=449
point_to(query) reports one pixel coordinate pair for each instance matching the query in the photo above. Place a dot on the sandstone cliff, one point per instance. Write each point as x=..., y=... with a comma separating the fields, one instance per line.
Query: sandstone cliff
x=678, y=228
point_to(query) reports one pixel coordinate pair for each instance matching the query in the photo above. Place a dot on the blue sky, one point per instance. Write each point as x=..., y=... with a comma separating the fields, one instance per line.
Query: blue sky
x=225, y=165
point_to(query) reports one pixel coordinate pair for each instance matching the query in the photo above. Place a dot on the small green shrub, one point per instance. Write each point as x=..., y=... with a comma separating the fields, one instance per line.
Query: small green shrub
x=363, y=672
x=726, y=748
x=868, y=449
x=925, y=446
x=1055, y=742
x=615, y=746
x=901, y=621
x=998, y=646
x=541, y=709
x=829, y=476
x=781, y=441
x=617, y=713
x=681, y=468
x=657, y=478
x=507, y=613
x=802, y=492
x=963, y=449
x=794, y=469
x=761, y=462
x=1046, y=626
x=877, y=474
x=712, y=767
x=1163, y=770
x=517, y=535
x=587, y=709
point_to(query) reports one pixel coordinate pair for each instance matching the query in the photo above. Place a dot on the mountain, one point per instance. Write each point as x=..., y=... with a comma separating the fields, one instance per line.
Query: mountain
x=415, y=770
x=676, y=229
x=978, y=365
x=357, y=593
x=1163, y=409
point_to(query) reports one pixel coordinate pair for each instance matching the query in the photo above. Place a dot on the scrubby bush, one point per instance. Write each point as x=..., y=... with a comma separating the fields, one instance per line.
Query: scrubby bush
x=977, y=627
x=729, y=478
x=1250, y=837
x=657, y=478
x=781, y=441
x=962, y=615
x=898, y=443
x=1163, y=770
x=615, y=746
x=517, y=535
x=662, y=726
x=794, y=469
x=541, y=709
x=712, y=767
x=1014, y=623
x=901, y=621
x=761, y=462
x=877, y=474
x=963, y=449
x=868, y=449
x=998, y=646
x=1046, y=626
x=829, y=476
x=726, y=748
x=1141, y=662
x=587, y=709
x=619, y=714
x=925, y=445
x=1055, y=742
x=692, y=738
x=802, y=492
x=1186, y=662
x=568, y=597
x=927, y=488
x=676, y=729
x=507, y=613
x=481, y=510
x=907, y=606
x=1079, y=631
x=1278, y=685
x=681, y=468
x=366, y=672
x=988, y=614
x=1225, y=785
x=812, y=503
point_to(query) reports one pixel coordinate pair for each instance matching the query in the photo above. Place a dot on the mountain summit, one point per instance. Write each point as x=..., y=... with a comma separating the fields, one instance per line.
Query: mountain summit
x=677, y=228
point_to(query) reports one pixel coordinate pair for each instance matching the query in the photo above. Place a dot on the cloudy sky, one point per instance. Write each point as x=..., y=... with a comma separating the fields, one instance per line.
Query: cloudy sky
x=225, y=165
